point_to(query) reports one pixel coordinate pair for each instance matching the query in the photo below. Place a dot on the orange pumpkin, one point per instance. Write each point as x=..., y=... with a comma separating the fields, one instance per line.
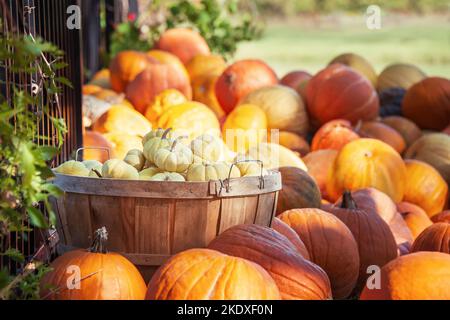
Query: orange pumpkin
x=275, y=253
x=376, y=244
x=93, y=140
x=163, y=101
x=184, y=43
x=415, y=217
x=165, y=57
x=202, y=65
x=319, y=165
x=433, y=149
x=417, y=276
x=89, y=89
x=425, y=187
x=292, y=141
x=241, y=78
x=368, y=163
x=154, y=80
x=102, y=79
x=299, y=190
x=331, y=246
x=125, y=66
x=359, y=64
x=434, y=238
x=202, y=274
x=380, y=131
x=444, y=216
x=407, y=129
x=104, y=276
x=203, y=90
x=338, y=92
x=297, y=80
x=427, y=103
x=283, y=228
x=334, y=135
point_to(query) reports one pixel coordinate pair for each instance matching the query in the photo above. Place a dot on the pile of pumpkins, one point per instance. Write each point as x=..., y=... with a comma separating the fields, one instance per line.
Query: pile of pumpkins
x=364, y=159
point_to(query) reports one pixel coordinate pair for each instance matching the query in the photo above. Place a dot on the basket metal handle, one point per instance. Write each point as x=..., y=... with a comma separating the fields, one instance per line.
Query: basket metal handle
x=93, y=148
x=226, y=183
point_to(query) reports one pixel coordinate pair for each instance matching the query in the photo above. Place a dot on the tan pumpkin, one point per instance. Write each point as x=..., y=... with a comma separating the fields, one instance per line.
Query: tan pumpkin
x=319, y=165
x=135, y=158
x=167, y=176
x=118, y=169
x=399, y=75
x=283, y=106
x=380, y=131
x=291, y=141
x=283, y=228
x=415, y=217
x=368, y=163
x=434, y=238
x=275, y=156
x=211, y=172
x=331, y=246
x=278, y=256
x=359, y=64
x=433, y=149
x=408, y=129
x=73, y=168
x=299, y=190
x=425, y=187
x=174, y=158
x=149, y=173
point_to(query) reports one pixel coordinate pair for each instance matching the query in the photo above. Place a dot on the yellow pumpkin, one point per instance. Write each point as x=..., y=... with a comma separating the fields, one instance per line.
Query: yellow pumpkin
x=101, y=79
x=249, y=167
x=135, y=158
x=202, y=65
x=118, y=169
x=148, y=173
x=120, y=119
x=283, y=106
x=157, y=133
x=275, y=156
x=123, y=142
x=154, y=144
x=168, y=176
x=367, y=163
x=163, y=101
x=210, y=148
x=190, y=119
x=211, y=171
x=176, y=158
x=245, y=127
x=73, y=168
x=203, y=90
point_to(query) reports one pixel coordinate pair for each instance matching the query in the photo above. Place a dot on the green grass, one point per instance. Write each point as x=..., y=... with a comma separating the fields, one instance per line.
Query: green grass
x=288, y=46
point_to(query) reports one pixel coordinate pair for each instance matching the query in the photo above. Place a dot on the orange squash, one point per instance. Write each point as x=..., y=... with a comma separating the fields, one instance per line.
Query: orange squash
x=125, y=66
x=338, y=92
x=376, y=244
x=368, y=163
x=434, y=238
x=380, y=131
x=184, y=43
x=240, y=79
x=278, y=256
x=202, y=274
x=334, y=135
x=427, y=103
x=408, y=129
x=429, y=271
x=165, y=57
x=359, y=64
x=319, y=165
x=283, y=228
x=444, y=216
x=202, y=65
x=103, y=276
x=203, y=90
x=425, y=187
x=331, y=246
x=415, y=217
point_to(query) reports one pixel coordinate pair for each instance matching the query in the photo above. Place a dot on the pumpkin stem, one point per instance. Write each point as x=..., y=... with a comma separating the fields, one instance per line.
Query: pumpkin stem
x=97, y=173
x=166, y=133
x=348, y=202
x=98, y=245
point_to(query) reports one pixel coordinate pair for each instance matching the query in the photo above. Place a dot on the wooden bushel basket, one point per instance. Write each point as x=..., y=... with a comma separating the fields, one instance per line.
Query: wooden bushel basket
x=148, y=221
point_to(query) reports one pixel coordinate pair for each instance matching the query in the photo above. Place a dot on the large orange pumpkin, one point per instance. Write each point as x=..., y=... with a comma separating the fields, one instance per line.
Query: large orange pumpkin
x=331, y=246
x=408, y=129
x=202, y=65
x=163, y=101
x=434, y=238
x=399, y=75
x=376, y=244
x=338, y=92
x=125, y=66
x=425, y=187
x=417, y=276
x=434, y=149
x=319, y=165
x=203, y=90
x=241, y=78
x=299, y=190
x=427, y=103
x=359, y=64
x=92, y=140
x=165, y=57
x=444, y=216
x=380, y=131
x=297, y=80
x=334, y=135
x=184, y=43
x=154, y=80
x=103, y=276
x=296, y=277
x=368, y=163
x=415, y=217
x=202, y=274
x=283, y=228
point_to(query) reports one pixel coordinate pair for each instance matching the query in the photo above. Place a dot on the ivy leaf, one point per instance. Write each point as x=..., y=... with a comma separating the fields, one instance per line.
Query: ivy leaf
x=64, y=81
x=27, y=164
x=37, y=218
x=47, y=152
